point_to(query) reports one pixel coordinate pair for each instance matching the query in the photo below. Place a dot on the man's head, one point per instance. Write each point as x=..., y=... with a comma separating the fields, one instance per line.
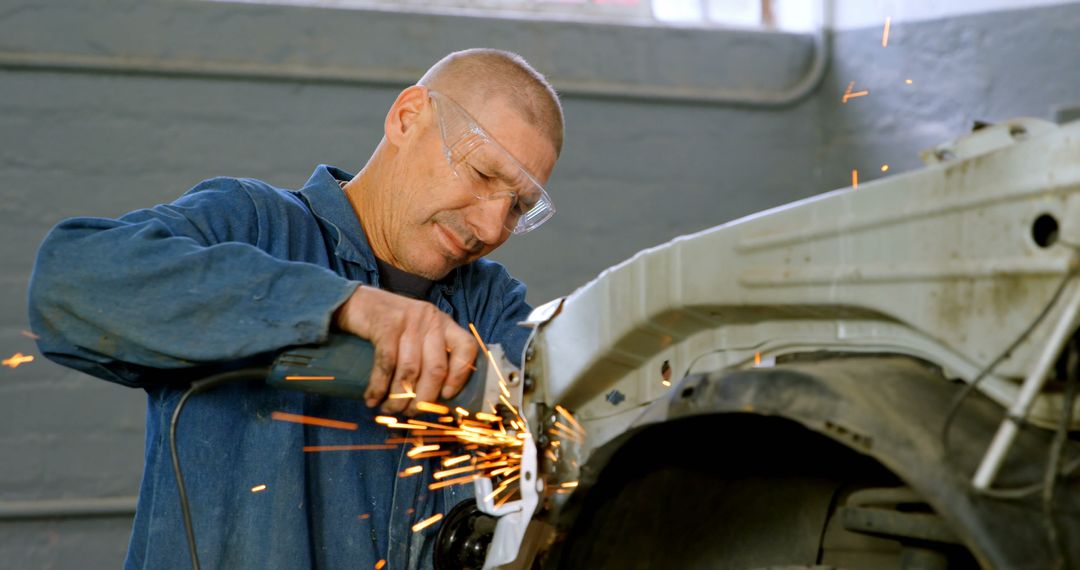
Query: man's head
x=428, y=208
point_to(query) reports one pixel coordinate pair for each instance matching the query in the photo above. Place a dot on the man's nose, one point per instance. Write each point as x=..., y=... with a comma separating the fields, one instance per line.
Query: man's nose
x=488, y=219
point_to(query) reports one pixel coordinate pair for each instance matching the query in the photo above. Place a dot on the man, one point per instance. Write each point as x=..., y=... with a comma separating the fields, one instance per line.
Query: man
x=236, y=269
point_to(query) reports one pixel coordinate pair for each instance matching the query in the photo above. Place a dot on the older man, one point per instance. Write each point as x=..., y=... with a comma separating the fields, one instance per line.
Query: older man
x=236, y=269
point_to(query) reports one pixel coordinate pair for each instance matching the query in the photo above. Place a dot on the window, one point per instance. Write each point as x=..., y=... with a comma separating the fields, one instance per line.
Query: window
x=783, y=14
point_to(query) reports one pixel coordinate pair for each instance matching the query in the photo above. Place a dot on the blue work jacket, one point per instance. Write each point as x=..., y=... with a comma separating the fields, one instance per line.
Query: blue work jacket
x=227, y=275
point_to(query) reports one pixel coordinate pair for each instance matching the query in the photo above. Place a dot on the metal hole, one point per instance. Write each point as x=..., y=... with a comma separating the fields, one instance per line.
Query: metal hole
x=1045, y=230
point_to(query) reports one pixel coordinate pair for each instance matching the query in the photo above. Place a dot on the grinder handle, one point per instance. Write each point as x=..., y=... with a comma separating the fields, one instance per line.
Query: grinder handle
x=341, y=367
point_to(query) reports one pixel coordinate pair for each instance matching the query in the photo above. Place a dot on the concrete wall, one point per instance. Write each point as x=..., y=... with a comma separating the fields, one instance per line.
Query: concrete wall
x=113, y=105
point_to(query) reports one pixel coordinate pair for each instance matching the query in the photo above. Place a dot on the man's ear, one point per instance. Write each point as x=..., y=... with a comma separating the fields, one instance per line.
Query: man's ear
x=406, y=114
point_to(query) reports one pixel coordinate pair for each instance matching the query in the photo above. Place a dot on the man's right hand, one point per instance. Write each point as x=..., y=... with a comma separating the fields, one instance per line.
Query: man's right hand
x=418, y=348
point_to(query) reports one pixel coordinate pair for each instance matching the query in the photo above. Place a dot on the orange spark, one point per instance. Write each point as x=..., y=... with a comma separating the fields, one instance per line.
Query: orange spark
x=448, y=472
x=421, y=449
x=17, y=359
x=487, y=417
x=309, y=377
x=258, y=488
x=884, y=167
x=757, y=359
x=570, y=417
x=443, y=453
x=452, y=461
x=296, y=418
x=446, y=420
x=411, y=471
x=849, y=95
x=372, y=447
x=569, y=485
x=380, y=564
x=426, y=523
x=665, y=382
x=908, y=81
x=364, y=517
x=451, y=482
x=29, y=334
x=406, y=426
x=461, y=411
x=433, y=408
x=885, y=33
x=487, y=353
x=854, y=179
x=386, y=420
x=551, y=455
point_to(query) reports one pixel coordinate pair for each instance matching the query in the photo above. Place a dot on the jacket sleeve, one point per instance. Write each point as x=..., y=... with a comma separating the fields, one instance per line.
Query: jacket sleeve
x=176, y=286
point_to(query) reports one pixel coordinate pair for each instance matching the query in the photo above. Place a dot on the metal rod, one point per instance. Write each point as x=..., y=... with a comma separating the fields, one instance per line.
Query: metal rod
x=67, y=508
x=1033, y=385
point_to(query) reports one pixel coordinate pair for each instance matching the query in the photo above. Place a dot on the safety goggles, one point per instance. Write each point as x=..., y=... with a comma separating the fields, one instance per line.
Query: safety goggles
x=487, y=169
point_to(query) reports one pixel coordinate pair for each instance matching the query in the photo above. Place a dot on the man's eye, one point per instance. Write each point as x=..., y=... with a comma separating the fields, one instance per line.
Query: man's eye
x=483, y=177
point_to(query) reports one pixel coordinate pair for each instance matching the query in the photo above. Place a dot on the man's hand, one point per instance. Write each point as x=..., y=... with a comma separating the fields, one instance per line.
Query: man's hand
x=418, y=348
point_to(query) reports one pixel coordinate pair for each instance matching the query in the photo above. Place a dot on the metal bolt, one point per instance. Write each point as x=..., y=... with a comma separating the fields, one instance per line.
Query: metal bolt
x=530, y=382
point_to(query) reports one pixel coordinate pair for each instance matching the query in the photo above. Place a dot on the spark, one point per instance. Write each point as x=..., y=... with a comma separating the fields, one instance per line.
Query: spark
x=433, y=408
x=551, y=455
x=364, y=517
x=29, y=334
x=411, y=471
x=487, y=417
x=452, y=461
x=570, y=417
x=446, y=420
x=854, y=179
x=406, y=426
x=427, y=424
x=386, y=420
x=443, y=453
x=884, y=167
x=17, y=359
x=421, y=449
x=757, y=359
x=309, y=420
x=461, y=411
x=487, y=353
x=885, y=32
x=309, y=377
x=569, y=485
x=448, y=472
x=451, y=482
x=666, y=382
x=573, y=435
x=849, y=95
x=371, y=447
x=426, y=523
x=258, y=488
x=380, y=564
x=908, y=81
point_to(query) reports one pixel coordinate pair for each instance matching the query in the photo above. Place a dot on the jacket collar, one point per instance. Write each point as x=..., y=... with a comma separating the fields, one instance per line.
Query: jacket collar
x=330, y=204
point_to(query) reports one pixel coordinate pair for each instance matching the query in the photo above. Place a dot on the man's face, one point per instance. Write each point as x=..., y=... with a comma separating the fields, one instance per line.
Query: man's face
x=439, y=223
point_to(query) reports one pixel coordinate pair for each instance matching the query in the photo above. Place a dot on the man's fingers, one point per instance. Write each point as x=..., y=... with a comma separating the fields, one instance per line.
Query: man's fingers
x=434, y=372
x=381, y=373
x=407, y=371
x=463, y=350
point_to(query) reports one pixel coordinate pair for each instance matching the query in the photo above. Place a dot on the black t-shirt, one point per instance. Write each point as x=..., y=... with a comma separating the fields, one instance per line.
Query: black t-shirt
x=402, y=282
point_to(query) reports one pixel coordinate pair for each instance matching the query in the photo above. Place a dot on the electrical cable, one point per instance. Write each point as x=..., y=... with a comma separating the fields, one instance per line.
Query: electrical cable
x=958, y=400
x=1054, y=461
x=208, y=383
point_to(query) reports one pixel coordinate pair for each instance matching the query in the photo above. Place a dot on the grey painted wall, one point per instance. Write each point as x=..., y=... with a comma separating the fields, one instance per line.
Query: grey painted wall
x=110, y=106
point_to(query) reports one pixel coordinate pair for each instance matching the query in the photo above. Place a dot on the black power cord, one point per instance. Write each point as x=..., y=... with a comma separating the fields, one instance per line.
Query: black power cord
x=208, y=383
x=954, y=407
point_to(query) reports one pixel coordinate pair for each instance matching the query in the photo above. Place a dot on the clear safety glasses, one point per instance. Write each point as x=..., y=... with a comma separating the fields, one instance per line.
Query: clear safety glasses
x=487, y=169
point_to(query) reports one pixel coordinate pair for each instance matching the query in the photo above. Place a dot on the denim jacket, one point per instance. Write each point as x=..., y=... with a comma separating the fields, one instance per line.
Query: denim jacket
x=228, y=274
